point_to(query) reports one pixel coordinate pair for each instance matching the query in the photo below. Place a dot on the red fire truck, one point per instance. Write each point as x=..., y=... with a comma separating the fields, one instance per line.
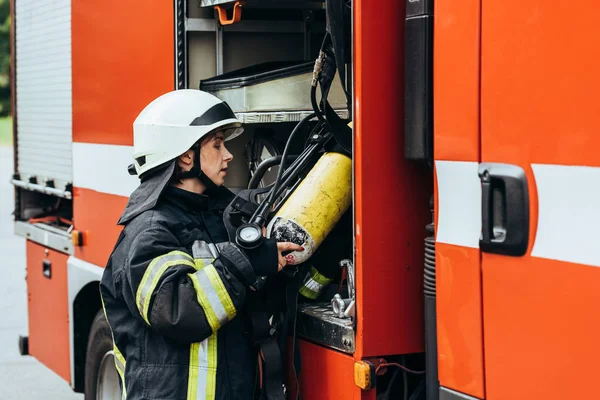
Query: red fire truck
x=481, y=112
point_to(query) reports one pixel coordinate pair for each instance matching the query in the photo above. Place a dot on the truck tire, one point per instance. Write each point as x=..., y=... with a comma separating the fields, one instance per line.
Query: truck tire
x=101, y=378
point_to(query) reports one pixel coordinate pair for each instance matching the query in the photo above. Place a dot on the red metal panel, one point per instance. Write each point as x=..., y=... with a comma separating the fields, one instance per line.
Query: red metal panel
x=460, y=336
x=539, y=83
x=391, y=194
x=122, y=58
x=326, y=374
x=96, y=214
x=48, y=309
x=456, y=130
x=456, y=76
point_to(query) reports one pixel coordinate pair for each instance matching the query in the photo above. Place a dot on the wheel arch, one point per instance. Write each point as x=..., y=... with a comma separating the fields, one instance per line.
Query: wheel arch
x=84, y=300
x=85, y=307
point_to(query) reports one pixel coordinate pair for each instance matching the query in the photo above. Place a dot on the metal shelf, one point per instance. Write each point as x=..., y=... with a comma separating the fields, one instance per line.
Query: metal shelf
x=35, y=187
x=246, y=26
x=316, y=322
x=45, y=235
x=311, y=4
x=279, y=116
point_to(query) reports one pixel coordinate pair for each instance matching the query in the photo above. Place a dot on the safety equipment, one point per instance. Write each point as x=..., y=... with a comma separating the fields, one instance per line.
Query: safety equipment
x=315, y=207
x=172, y=123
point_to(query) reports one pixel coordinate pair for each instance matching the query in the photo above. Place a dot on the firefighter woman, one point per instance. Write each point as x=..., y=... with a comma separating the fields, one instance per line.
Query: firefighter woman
x=174, y=288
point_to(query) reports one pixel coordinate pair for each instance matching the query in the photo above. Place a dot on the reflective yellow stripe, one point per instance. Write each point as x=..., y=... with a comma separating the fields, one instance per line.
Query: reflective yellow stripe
x=193, y=371
x=313, y=284
x=213, y=297
x=120, y=364
x=152, y=276
x=318, y=277
x=104, y=309
x=211, y=379
x=223, y=294
x=202, y=375
x=119, y=359
x=211, y=316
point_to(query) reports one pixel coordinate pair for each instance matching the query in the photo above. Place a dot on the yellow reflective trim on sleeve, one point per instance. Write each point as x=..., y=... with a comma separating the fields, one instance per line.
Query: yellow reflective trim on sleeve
x=318, y=277
x=222, y=293
x=210, y=314
x=152, y=276
x=313, y=284
x=213, y=297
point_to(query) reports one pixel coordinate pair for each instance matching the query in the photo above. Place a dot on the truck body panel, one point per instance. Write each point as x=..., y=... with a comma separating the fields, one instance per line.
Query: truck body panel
x=457, y=195
x=48, y=308
x=538, y=113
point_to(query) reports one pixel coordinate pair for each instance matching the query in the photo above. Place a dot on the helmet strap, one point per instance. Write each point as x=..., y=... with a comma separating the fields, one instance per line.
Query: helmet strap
x=196, y=172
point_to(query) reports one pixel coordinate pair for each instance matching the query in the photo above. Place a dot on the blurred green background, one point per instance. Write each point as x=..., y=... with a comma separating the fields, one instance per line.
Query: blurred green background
x=5, y=111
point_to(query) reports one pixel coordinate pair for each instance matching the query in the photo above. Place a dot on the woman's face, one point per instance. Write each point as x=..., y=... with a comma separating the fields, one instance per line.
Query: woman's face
x=214, y=158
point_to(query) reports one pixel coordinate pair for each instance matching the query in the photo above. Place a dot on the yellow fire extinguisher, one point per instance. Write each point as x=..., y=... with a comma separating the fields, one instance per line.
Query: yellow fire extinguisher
x=315, y=207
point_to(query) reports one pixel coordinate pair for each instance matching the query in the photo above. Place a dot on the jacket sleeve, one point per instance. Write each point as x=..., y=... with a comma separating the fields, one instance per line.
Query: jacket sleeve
x=183, y=298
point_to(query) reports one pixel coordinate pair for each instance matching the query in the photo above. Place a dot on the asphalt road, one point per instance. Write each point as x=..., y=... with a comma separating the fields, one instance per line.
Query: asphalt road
x=21, y=377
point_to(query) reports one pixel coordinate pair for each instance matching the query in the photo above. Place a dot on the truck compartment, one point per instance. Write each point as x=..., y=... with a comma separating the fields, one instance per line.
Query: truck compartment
x=47, y=294
x=262, y=66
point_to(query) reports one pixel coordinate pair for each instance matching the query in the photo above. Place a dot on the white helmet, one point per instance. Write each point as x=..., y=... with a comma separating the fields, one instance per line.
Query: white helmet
x=172, y=123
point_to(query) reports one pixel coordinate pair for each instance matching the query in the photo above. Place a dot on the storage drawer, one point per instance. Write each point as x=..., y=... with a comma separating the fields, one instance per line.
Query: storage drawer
x=48, y=308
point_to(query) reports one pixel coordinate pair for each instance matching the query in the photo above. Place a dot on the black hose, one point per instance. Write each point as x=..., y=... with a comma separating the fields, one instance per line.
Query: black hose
x=262, y=169
x=287, y=148
x=300, y=163
x=259, y=215
x=317, y=71
x=315, y=106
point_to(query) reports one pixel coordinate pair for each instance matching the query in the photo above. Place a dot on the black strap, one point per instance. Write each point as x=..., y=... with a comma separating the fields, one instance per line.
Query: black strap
x=289, y=323
x=240, y=209
x=264, y=338
x=338, y=128
x=339, y=26
x=292, y=297
x=244, y=206
x=273, y=387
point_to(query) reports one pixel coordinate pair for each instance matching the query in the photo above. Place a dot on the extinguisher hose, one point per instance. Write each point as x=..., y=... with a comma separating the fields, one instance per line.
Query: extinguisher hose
x=261, y=212
x=315, y=106
x=316, y=73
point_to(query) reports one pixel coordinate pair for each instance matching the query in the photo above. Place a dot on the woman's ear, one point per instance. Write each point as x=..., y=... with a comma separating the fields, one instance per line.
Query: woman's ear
x=186, y=160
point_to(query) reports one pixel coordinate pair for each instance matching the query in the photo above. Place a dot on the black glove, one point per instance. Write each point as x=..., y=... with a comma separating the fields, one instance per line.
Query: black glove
x=264, y=258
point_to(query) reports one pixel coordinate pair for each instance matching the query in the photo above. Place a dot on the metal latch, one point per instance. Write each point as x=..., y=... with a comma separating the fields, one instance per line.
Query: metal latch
x=345, y=308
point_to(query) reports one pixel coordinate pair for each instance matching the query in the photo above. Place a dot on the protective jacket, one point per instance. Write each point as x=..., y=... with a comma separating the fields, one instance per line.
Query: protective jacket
x=174, y=293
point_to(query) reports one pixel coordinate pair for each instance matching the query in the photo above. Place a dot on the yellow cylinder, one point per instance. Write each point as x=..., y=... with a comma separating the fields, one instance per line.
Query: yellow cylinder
x=315, y=207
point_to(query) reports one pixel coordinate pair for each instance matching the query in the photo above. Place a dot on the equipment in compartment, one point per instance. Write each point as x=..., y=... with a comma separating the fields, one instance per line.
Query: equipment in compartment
x=271, y=86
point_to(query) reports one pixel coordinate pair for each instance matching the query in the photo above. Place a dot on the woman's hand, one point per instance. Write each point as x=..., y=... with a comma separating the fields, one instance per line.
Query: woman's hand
x=288, y=259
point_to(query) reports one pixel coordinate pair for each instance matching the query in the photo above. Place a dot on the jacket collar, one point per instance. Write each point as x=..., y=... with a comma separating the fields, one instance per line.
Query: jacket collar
x=186, y=200
x=216, y=199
